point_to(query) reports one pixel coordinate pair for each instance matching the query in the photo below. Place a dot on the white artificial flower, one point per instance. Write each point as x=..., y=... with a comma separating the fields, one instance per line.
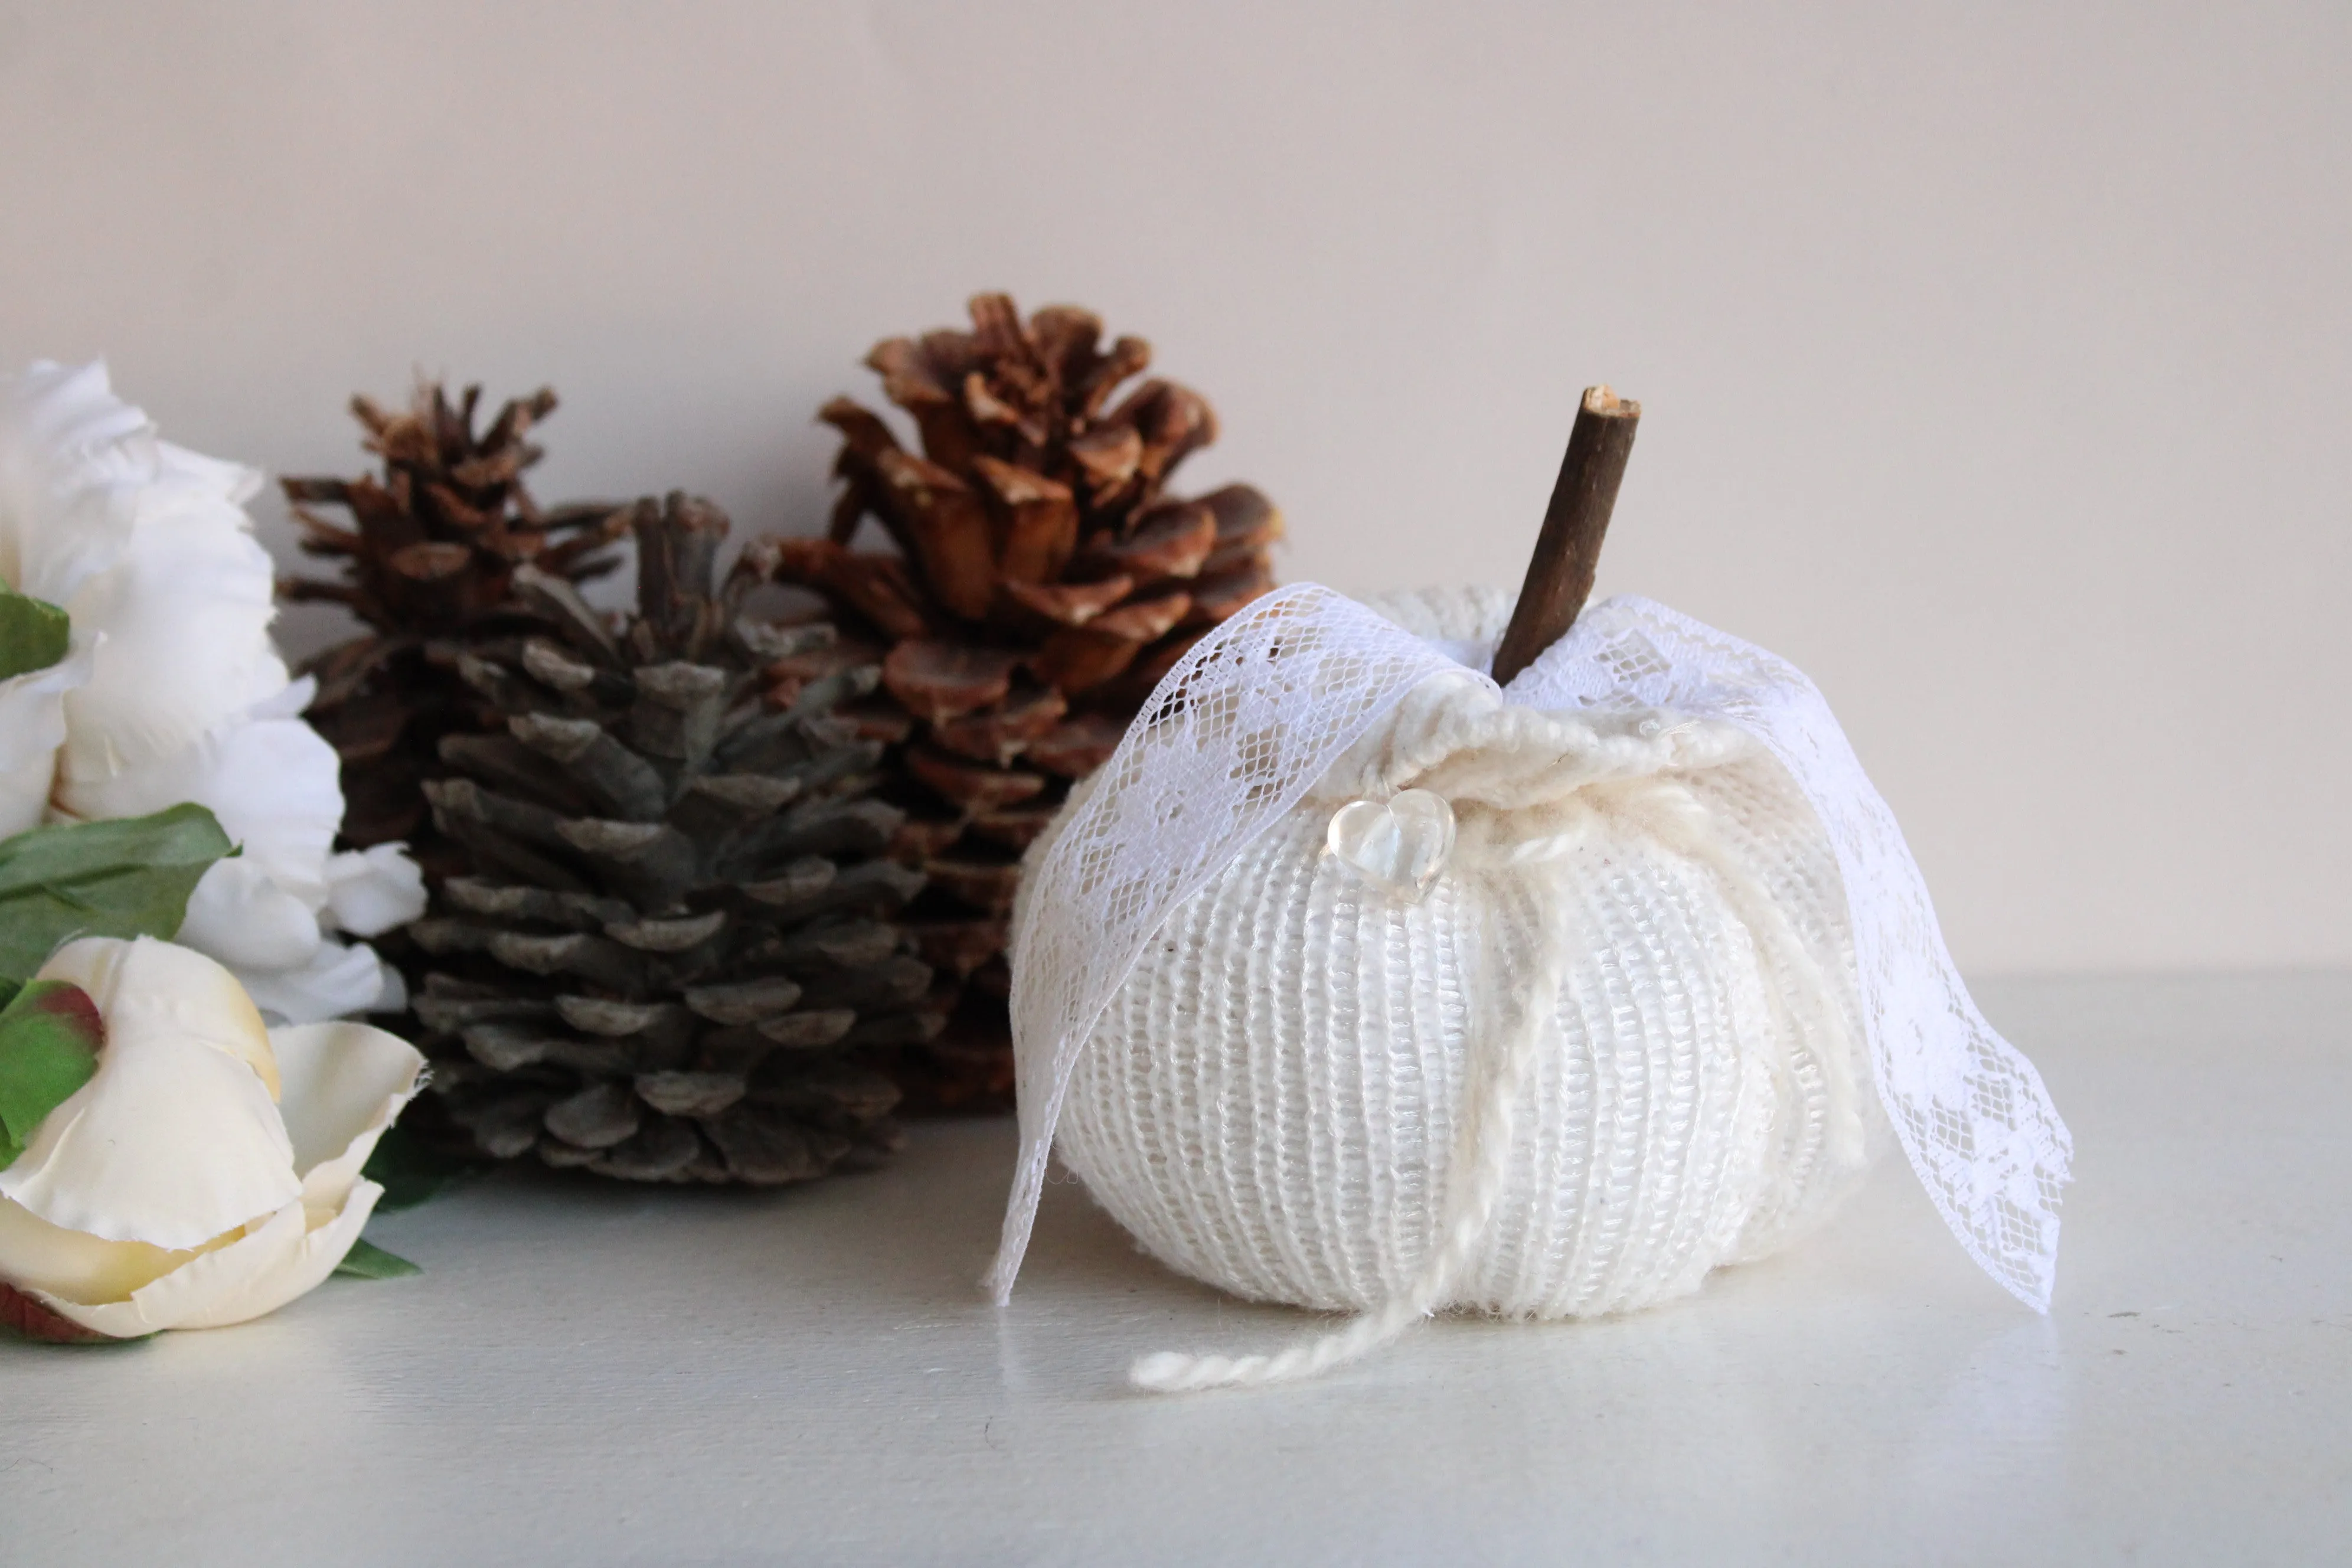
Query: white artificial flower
x=174, y=692
x=209, y=1172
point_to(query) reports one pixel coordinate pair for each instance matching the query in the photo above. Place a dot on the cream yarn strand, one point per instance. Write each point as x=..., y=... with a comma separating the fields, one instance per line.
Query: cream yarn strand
x=1482, y=1150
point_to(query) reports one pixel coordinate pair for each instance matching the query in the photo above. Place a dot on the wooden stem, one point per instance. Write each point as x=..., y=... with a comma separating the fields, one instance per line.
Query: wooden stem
x=1567, y=551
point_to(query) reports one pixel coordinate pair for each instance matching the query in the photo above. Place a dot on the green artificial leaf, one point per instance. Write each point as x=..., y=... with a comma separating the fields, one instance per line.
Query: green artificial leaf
x=366, y=1260
x=33, y=634
x=122, y=878
x=49, y=1037
x=410, y=1169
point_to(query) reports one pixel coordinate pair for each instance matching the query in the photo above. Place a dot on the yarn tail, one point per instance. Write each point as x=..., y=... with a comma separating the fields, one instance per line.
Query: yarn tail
x=1172, y=1372
x=1482, y=1147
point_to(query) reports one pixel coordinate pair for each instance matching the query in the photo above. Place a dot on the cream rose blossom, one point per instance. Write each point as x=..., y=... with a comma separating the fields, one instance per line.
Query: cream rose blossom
x=209, y=1170
x=172, y=691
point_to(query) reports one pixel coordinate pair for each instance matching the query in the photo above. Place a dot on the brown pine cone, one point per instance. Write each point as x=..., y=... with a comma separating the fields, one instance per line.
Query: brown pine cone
x=431, y=556
x=1043, y=582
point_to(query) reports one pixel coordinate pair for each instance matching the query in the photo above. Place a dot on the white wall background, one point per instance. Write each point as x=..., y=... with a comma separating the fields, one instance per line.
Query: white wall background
x=1996, y=360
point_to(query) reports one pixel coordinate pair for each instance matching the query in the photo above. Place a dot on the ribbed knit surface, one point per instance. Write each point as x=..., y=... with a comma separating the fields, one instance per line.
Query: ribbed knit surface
x=1270, y=1102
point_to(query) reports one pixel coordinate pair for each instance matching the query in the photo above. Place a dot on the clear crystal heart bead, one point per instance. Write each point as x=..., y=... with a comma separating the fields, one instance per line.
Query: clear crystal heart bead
x=1399, y=844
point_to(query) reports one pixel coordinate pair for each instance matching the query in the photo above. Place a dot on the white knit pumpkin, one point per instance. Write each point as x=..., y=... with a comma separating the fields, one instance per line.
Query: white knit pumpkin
x=1271, y=1101
x=1355, y=982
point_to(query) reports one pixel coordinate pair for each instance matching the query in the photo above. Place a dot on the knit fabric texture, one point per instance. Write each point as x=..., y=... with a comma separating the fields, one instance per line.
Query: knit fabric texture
x=1271, y=1101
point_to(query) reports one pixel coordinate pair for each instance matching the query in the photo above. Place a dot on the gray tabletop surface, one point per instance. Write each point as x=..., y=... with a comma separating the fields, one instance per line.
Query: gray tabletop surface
x=592, y=1374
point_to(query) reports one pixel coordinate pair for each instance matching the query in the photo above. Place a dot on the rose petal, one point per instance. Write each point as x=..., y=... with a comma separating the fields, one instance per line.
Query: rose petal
x=185, y=611
x=345, y=1082
x=394, y=998
x=32, y=728
x=174, y=1139
x=286, y=1256
x=274, y=785
x=38, y=1256
x=291, y=703
x=326, y=1243
x=337, y=980
x=240, y=917
x=72, y=459
x=369, y=891
x=143, y=987
x=24, y=788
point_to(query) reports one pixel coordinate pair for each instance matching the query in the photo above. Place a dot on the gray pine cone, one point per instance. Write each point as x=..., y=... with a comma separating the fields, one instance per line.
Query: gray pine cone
x=677, y=946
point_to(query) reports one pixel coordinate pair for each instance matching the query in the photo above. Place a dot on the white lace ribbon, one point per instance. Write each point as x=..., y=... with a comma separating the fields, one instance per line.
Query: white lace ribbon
x=1243, y=728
